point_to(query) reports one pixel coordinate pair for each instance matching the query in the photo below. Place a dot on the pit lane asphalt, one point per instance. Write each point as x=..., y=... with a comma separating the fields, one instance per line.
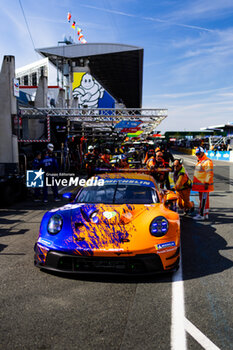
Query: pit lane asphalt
x=41, y=310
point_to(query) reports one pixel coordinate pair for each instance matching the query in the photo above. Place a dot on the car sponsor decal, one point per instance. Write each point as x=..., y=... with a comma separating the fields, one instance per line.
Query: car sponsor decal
x=44, y=241
x=165, y=245
x=67, y=207
x=167, y=250
x=129, y=182
x=109, y=214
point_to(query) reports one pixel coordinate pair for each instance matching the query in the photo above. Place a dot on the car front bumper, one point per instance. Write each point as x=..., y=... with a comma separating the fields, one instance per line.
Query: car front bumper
x=139, y=264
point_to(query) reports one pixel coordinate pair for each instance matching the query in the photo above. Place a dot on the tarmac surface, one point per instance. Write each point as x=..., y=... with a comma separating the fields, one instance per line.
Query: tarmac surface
x=191, y=309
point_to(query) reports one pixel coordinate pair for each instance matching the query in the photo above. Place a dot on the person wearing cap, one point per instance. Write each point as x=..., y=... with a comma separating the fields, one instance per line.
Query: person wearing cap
x=203, y=182
x=183, y=185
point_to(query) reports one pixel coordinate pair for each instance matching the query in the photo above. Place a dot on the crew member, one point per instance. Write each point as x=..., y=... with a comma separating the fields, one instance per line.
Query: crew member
x=150, y=159
x=106, y=157
x=203, y=182
x=49, y=165
x=36, y=165
x=182, y=186
x=123, y=163
x=90, y=159
x=167, y=156
x=157, y=164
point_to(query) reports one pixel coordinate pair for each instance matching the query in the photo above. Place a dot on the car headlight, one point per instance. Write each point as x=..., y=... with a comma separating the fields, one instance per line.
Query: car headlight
x=159, y=226
x=55, y=224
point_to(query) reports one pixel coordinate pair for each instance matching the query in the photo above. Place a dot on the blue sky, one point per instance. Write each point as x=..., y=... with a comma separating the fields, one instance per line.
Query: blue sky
x=188, y=48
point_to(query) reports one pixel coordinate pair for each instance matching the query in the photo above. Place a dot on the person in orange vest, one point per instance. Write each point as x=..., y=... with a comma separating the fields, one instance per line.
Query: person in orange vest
x=154, y=163
x=149, y=154
x=183, y=185
x=106, y=157
x=150, y=159
x=203, y=182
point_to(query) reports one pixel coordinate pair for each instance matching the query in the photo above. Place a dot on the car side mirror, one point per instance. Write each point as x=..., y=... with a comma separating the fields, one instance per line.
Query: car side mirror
x=69, y=196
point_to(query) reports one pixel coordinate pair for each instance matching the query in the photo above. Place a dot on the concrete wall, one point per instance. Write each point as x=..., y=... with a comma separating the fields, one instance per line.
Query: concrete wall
x=36, y=129
x=8, y=108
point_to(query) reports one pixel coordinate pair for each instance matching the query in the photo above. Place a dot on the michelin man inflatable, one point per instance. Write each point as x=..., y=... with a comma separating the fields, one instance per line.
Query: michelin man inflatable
x=88, y=92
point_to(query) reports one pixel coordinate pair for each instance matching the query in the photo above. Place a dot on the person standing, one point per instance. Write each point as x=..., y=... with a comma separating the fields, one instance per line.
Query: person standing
x=90, y=160
x=155, y=164
x=49, y=165
x=36, y=165
x=150, y=153
x=167, y=156
x=150, y=159
x=182, y=186
x=203, y=182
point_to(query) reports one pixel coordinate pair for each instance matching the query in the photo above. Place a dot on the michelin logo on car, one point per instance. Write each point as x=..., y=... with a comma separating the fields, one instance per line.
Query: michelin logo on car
x=165, y=245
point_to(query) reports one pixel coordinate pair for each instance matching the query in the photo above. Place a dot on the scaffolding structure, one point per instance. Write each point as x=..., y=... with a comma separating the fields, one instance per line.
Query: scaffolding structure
x=98, y=119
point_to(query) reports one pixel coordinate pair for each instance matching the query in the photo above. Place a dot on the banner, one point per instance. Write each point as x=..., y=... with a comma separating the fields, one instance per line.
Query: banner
x=88, y=93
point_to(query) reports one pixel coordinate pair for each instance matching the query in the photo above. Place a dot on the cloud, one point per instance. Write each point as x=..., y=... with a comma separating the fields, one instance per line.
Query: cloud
x=11, y=20
x=191, y=111
x=152, y=19
x=202, y=9
x=110, y=11
x=193, y=93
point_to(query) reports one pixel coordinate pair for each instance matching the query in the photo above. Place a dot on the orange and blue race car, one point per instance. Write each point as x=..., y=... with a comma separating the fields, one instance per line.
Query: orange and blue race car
x=126, y=226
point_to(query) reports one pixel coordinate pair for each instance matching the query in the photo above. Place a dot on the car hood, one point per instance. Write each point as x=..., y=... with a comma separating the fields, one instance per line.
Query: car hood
x=107, y=214
x=104, y=227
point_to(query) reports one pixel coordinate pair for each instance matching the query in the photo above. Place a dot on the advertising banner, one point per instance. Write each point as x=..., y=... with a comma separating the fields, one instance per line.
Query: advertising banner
x=88, y=93
x=219, y=155
x=127, y=124
x=130, y=129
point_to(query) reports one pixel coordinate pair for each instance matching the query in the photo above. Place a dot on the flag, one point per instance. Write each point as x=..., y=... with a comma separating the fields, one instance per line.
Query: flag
x=79, y=31
x=69, y=16
x=73, y=25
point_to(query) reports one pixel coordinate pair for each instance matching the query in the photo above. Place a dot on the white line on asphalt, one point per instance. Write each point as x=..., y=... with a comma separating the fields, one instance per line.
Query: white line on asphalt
x=199, y=336
x=178, y=336
x=180, y=324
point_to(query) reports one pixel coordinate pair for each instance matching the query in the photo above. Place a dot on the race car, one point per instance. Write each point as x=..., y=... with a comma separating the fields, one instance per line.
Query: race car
x=125, y=226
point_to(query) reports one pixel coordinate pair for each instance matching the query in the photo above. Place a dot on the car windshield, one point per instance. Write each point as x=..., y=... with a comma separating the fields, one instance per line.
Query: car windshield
x=118, y=194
